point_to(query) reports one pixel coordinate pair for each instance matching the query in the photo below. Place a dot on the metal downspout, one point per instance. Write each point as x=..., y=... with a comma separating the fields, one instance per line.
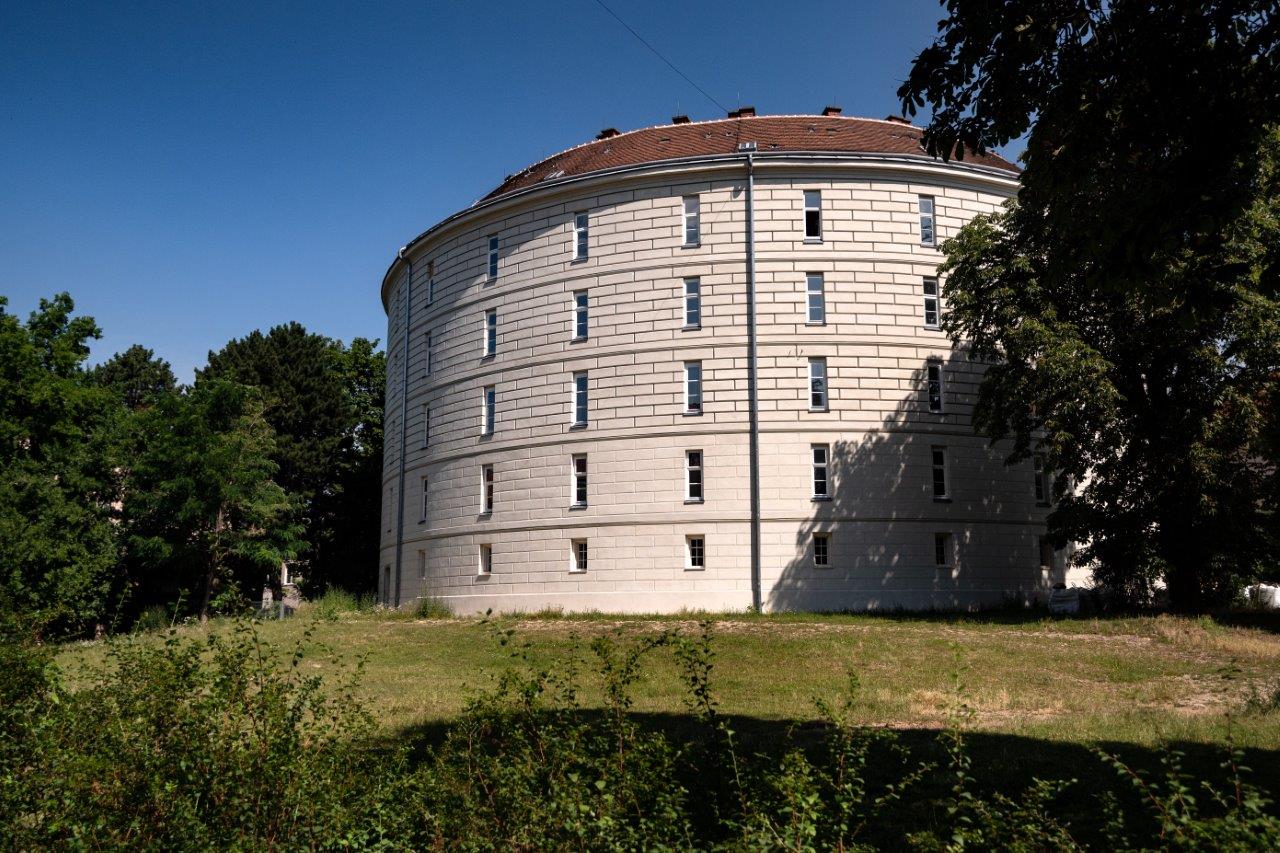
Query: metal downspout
x=753, y=403
x=404, y=423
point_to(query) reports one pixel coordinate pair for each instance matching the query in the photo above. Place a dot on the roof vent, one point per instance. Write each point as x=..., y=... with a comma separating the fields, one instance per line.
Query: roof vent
x=746, y=146
x=680, y=119
x=607, y=133
x=742, y=112
x=898, y=119
x=831, y=111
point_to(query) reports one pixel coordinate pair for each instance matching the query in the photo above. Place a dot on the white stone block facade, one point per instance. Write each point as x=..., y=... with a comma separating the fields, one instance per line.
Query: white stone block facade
x=882, y=521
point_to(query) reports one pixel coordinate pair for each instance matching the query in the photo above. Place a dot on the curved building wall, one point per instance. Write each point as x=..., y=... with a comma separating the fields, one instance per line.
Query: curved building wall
x=882, y=521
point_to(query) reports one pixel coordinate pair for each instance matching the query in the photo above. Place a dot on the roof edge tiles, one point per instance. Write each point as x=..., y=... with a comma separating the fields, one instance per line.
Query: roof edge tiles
x=784, y=133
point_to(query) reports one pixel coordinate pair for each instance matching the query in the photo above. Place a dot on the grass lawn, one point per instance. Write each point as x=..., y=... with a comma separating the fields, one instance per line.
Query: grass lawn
x=1043, y=693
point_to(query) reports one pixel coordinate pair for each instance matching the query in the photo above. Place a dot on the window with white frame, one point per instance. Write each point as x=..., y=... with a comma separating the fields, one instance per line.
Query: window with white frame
x=489, y=412
x=692, y=303
x=578, y=555
x=938, y=455
x=578, y=480
x=490, y=332
x=426, y=347
x=486, y=559
x=426, y=425
x=422, y=564
x=486, y=489
x=928, y=235
x=580, y=316
x=692, y=221
x=695, y=552
x=1041, y=473
x=812, y=215
x=817, y=384
x=933, y=381
x=493, y=258
x=817, y=299
x=579, y=400
x=930, y=286
x=693, y=387
x=821, y=454
x=943, y=550
x=693, y=476
x=426, y=494
x=431, y=282
x=822, y=550
x=580, y=235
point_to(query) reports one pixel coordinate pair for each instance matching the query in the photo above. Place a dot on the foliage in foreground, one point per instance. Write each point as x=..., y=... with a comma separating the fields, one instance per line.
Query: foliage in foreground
x=223, y=742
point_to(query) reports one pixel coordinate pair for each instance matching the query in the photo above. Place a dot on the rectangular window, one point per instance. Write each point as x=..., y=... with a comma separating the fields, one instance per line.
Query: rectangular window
x=1042, y=479
x=486, y=559
x=426, y=345
x=425, y=496
x=579, y=235
x=693, y=387
x=490, y=332
x=578, y=556
x=692, y=221
x=493, y=258
x=431, y=282
x=692, y=303
x=933, y=378
x=821, y=482
x=422, y=565
x=580, y=315
x=426, y=426
x=486, y=489
x=693, y=475
x=812, y=215
x=817, y=384
x=489, y=414
x=696, y=552
x=822, y=550
x=578, y=483
x=942, y=549
x=931, y=303
x=817, y=299
x=939, y=457
x=580, y=398
x=928, y=237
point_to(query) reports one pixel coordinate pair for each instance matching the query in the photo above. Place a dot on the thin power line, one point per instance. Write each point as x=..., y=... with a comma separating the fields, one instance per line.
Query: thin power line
x=660, y=56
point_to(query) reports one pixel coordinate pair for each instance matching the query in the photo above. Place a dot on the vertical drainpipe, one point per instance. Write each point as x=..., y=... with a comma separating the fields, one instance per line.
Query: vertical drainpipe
x=404, y=420
x=753, y=404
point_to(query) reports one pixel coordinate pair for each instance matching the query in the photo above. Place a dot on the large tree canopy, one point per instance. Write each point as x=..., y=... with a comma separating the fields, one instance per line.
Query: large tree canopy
x=1129, y=303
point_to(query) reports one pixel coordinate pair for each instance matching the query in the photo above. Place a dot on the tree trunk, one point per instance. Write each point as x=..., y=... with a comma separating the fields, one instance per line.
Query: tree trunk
x=211, y=571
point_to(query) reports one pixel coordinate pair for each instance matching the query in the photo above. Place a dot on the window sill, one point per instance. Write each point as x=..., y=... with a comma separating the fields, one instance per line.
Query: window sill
x=697, y=414
x=813, y=241
x=815, y=322
x=487, y=357
x=577, y=340
x=697, y=245
x=942, y=500
x=577, y=571
x=486, y=434
x=824, y=410
x=821, y=499
x=573, y=507
x=823, y=567
x=581, y=260
x=929, y=328
x=483, y=576
x=420, y=521
x=695, y=568
x=483, y=514
x=582, y=425
x=693, y=501
x=688, y=328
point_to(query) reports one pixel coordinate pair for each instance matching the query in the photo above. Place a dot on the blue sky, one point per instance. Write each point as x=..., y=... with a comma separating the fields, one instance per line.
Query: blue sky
x=191, y=172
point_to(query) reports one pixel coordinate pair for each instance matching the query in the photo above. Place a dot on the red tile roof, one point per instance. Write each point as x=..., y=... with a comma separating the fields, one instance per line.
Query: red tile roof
x=770, y=133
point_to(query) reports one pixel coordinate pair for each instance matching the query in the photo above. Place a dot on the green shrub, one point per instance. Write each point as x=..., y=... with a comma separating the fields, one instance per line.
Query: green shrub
x=431, y=608
x=334, y=602
x=153, y=620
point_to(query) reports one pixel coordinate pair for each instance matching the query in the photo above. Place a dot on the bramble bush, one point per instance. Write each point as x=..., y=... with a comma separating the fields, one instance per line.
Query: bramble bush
x=224, y=742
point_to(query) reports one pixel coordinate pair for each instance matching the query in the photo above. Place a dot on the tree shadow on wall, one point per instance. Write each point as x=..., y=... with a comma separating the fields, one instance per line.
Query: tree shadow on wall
x=891, y=544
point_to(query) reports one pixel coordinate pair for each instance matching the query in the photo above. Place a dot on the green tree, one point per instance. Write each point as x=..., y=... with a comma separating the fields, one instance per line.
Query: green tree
x=1129, y=303
x=202, y=511
x=324, y=402
x=58, y=546
x=136, y=376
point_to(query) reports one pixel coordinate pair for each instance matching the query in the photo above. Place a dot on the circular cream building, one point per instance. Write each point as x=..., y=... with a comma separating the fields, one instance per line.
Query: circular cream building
x=698, y=366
